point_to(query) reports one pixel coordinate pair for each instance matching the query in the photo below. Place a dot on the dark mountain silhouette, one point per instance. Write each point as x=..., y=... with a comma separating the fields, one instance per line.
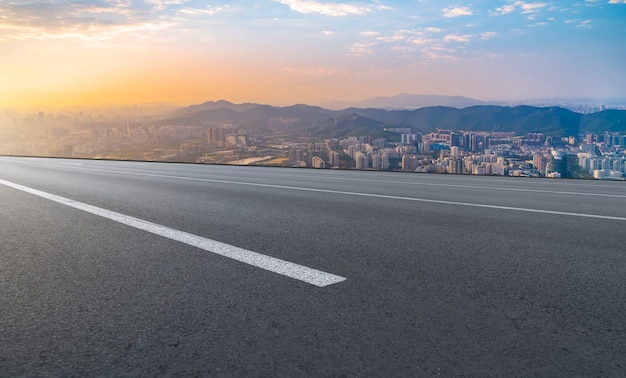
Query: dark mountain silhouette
x=294, y=117
x=212, y=105
x=202, y=117
x=407, y=101
x=606, y=120
x=519, y=119
x=344, y=125
x=316, y=121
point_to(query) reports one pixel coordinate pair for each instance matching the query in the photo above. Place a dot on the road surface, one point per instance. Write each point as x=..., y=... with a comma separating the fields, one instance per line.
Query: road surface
x=128, y=268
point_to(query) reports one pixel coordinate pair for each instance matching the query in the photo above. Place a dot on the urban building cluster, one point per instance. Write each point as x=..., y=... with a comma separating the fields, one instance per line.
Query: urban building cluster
x=85, y=136
x=599, y=156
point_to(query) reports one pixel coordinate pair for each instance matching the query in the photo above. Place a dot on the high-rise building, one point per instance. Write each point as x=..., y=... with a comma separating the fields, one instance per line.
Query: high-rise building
x=498, y=170
x=408, y=139
x=291, y=155
x=384, y=160
x=332, y=143
x=616, y=165
x=365, y=139
x=539, y=162
x=379, y=143
x=352, y=150
x=479, y=170
x=333, y=158
x=454, y=151
x=216, y=136
x=455, y=139
x=231, y=141
x=455, y=166
x=557, y=166
x=362, y=160
x=375, y=161
x=409, y=163
x=317, y=162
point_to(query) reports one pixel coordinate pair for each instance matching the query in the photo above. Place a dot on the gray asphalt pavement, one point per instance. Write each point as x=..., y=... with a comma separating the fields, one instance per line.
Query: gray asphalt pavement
x=444, y=275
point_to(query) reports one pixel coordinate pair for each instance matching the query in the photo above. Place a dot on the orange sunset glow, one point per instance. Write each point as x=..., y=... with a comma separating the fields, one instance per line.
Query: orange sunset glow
x=61, y=53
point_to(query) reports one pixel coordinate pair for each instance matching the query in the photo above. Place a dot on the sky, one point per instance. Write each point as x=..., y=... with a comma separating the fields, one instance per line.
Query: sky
x=62, y=53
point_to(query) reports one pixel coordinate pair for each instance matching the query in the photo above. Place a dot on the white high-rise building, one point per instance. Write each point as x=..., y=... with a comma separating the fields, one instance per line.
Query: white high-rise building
x=408, y=138
x=362, y=160
x=318, y=162
x=384, y=160
x=454, y=151
x=375, y=161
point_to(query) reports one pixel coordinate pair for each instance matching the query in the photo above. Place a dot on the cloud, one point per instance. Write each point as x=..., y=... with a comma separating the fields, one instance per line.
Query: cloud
x=208, y=11
x=95, y=20
x=360, y=49
x=421, y=41
x=617, y=1
x=457, y=38
x=369, y=33
x=84, y=20
x=487, y=35
x=505, y=9
x=531, y=10
x=532, y=7
x=327, y=32
x=439, y=53
x=399, y=35
x=457, y=12
x=580, y=23
x=331, y=9
x=585, y=24
x=319, y=71
x=93, y=34
x=527, y=8
x=162, y=4
x=402, y=49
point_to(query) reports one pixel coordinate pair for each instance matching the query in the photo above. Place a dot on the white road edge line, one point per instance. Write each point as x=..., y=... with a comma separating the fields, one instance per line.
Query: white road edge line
x=371, y=195
x=272, y=264
x=65, y=165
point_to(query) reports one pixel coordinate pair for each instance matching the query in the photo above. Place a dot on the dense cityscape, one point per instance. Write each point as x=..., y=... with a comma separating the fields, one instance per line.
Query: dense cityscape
x=141, y=137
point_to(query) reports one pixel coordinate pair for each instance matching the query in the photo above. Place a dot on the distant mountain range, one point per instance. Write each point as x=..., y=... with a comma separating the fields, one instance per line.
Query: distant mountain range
x=324, y=123
x=408, y=101
x=405, y=101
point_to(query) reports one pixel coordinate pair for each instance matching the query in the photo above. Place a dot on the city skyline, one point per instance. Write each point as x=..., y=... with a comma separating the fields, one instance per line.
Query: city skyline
x=62, y=53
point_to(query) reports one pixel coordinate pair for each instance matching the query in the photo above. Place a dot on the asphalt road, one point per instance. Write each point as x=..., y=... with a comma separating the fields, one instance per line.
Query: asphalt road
x=439, y=274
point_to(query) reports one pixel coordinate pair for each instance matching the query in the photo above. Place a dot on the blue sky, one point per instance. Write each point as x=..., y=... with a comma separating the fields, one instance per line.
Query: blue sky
x=285, y=51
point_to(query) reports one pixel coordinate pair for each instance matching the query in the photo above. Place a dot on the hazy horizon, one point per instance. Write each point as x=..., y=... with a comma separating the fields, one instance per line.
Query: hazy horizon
x=169, y=106
x=180, y=52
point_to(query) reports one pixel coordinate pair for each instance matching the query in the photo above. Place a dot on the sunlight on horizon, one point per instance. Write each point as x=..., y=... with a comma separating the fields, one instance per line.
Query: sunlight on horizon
x=280, y=52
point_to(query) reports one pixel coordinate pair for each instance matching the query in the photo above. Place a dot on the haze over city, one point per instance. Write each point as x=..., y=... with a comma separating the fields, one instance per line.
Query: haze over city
x=64, y=53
